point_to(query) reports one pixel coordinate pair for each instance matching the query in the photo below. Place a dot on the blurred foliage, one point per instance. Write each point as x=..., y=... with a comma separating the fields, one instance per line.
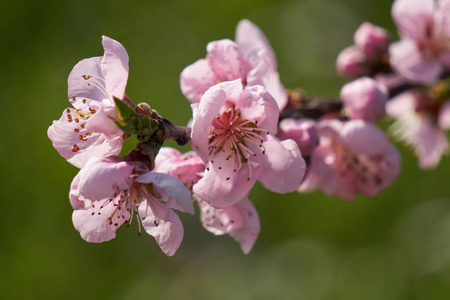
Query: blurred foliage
x=394, y=246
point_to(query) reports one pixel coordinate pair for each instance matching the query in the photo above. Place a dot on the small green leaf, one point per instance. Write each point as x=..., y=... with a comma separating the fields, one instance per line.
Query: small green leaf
x=130, y=121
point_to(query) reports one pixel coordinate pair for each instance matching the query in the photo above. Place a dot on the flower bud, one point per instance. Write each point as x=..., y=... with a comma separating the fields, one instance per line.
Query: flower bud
x=351, y=63
x=364, y=99
x=303, y=132
x=372, y=40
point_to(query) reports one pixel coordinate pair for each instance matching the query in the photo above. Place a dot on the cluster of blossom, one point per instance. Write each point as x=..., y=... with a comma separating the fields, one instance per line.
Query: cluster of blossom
x=247, y=127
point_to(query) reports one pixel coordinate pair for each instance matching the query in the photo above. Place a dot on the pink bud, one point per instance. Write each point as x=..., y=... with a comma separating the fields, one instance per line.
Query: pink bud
x=351, y=63
x=372, y=40
x=364, y=99
x=303, y=132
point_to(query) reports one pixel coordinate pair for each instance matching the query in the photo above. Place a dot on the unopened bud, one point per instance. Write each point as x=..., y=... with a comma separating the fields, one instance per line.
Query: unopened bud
x=372, y=40
x=351, y=63
x=364, y=99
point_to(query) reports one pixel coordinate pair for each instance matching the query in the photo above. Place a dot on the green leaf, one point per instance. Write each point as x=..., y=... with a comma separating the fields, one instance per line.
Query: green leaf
x=130, y=121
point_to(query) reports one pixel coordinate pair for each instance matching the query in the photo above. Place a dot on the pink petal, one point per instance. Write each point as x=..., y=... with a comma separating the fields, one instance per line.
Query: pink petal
x=282, y=167
x=363, y=138
x=263, y=75
x=72, y=141
x=410, y=63
x=240, y=221
x=185, y=167
x=225, y=60
x=163, y=224
x=404, y=103
x=97, y=226
x=76, y=200
x=430, y=142
x=444, y=116
x=78, y=86
x=196, y=79
x=221, y=186
x=166, y=154
x=412, y=16
x=101, y=178
x=255, y=103
x=114, y=66
x=170, y=190
x=251, y=39
x=320, y=174
x=101, y=121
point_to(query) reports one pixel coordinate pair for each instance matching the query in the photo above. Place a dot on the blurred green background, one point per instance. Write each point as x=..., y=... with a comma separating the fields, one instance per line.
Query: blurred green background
x=394, y=246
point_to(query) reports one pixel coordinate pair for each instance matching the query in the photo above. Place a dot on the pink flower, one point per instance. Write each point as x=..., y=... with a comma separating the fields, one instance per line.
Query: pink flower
x=423, y=52
x=250, y=59
x=367, y=55
x=303, y=132
x=232, y=132
x=421, y=123
x=353, y=157
x=364, y=99
x=87, y=130
x=240, y=220
x=106, y=194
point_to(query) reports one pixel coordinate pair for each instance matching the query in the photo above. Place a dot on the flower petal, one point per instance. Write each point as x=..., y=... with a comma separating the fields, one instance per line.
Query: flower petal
x=78, y=85
x=251, y=39
x=196, y=79
x=282, y=166
x=225, y=60
x=97, y=225
x=220, y=186
x=412, y=16
x=170, y=189
x=72, y=140
x=240, y=221
x=255, y=103
x=444, y=116
x=101, y=178
x=406, y=59
x=430, y=143
x=163, y=224
x=101, y=121
x=363, y=138
x=114, y=66
x=404, y=103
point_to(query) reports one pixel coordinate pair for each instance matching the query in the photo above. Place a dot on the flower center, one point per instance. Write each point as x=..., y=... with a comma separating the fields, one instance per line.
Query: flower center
x=78, y=119
x=235, y=137
x=124, y=205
